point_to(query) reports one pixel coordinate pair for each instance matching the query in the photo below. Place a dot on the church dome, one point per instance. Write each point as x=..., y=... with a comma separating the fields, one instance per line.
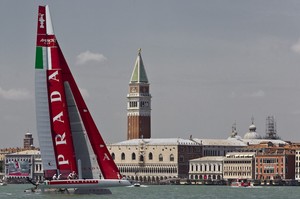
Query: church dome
x=252, y=134
x=252, y=127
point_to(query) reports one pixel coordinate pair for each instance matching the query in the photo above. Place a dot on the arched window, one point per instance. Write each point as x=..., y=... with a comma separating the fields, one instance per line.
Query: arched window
x=160, y=158
x=172, y=158
x=123, y=156
x=150, y=156
x=141, y=158
x=133, y=156
x=113, y=156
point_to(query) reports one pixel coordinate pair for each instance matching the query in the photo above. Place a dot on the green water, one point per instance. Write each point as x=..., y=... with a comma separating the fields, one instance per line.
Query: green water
x=164, y=192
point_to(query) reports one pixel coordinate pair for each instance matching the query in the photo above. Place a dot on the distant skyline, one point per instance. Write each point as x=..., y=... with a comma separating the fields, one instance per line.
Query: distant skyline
x=210, y=64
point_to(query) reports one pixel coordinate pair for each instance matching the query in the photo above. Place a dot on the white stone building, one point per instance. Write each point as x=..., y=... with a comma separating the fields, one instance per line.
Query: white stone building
x=155, y=160
x=206, y=168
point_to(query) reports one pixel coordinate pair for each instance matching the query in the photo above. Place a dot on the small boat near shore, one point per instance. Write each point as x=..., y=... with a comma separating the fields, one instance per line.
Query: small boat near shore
x=3, y=182
x=137, y=184
x=241, y=183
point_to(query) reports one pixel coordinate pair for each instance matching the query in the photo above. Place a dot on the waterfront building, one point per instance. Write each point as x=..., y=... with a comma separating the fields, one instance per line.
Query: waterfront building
x=220, y=147
x=2, y=164
x=155, y=160
x=274, y=162
x=139, y=103
x=23, y=164
x=206, y=168
x=297, y=164
x=239, y=165
x=3, y=153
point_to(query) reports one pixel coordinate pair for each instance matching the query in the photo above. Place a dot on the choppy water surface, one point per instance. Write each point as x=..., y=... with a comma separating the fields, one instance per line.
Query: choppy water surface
x=164, y=191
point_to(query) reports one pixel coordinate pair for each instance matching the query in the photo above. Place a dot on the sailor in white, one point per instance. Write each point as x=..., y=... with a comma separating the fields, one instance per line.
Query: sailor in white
x=70, y=176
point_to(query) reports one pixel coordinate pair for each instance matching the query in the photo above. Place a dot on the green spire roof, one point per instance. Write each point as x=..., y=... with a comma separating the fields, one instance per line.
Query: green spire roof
x=139, y=72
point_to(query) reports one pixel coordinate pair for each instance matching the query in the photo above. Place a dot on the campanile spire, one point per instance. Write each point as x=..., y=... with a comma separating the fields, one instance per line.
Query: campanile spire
x=139, y=102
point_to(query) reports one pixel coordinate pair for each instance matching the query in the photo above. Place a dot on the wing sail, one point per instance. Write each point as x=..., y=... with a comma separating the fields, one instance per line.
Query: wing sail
x=53, y=125
x=63, y=120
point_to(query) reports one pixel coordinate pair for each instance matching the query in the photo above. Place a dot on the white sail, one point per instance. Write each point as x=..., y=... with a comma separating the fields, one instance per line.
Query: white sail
x=43, y=121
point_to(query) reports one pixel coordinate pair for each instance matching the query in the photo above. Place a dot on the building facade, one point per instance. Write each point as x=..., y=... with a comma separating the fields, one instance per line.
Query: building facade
x=297, y=163
x=22, y=165
x=155, y=160
x=139, y=103
x=275, y=163
x=239, y=165
x=206, y=168
x=219, y=147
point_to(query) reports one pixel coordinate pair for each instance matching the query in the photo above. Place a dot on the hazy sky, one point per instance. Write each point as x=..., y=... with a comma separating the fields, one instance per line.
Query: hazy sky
x=210, y=63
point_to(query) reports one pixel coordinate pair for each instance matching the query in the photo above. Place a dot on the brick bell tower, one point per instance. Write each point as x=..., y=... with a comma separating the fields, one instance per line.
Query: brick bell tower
x=139, y=103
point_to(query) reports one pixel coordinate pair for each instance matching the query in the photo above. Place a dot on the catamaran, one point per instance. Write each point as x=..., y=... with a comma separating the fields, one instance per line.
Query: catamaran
x=71, y=145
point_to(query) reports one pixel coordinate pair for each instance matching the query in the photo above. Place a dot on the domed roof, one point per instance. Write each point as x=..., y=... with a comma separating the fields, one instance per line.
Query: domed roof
x=252, y=127
x=252, y=135
x=252, y=132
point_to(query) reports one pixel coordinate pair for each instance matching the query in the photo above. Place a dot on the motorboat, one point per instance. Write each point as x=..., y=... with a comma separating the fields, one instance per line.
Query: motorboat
x=136, y=184
x=241, y=183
